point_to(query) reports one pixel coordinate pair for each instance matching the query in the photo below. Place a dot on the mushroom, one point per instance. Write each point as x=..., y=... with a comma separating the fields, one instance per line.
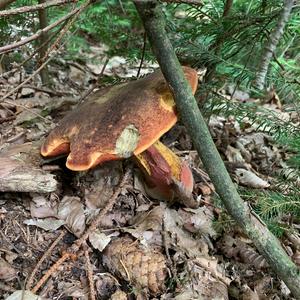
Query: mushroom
x=117, y=122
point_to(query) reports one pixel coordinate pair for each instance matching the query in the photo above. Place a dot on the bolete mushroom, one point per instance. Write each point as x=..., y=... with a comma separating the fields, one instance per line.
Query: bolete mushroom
x=118, y=122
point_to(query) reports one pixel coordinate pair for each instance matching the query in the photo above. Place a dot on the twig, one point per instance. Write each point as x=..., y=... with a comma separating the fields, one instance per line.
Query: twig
x=43, y=22
x=103, y=212
x=17, y=67
x=91, y=89
x=166, y=243
x=25, y=9
x=28, y=109
x=45, y=90
x=44, y=256
x=33, y=37
x=49, y=272
x=191, y=2
x=75, y=247
x=143, y=55
x=7, y=119
x=66, y=28
x=89, y=272
x=2, y=99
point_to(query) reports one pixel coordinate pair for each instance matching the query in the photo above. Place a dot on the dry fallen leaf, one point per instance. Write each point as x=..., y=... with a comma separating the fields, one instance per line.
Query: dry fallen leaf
x=7, y=272
x=99, y=240
x=118, y=295
x=180, y=240
x=234, y=155
x=24, y=295
x=250, y=179
x=71, y=211
x=49, y=224
x=40, y=207
x=200, y=219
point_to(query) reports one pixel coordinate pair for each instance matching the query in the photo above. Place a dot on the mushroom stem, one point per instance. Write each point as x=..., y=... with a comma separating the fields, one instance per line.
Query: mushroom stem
x=166, y=176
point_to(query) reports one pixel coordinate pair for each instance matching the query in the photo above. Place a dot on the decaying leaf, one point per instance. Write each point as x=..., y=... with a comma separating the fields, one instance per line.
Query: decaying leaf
x=99, y=240
x=40, y=207
x=200, y=219
x=250, y=179
x=49, y=224
x=143, y=267
x=71, y=211
x=234, y=155
x=7, y=272
x=203, y=280
x=73, y=289
x=180, y=240
x=24, y=295
x=118, y=295
x=27, y=116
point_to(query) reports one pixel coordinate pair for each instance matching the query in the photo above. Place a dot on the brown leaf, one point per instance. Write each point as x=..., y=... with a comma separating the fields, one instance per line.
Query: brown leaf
x=7, y=272
x=71, y=211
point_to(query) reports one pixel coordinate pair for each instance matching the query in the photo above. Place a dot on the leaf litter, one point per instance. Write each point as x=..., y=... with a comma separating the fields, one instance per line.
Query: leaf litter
x=142, y=249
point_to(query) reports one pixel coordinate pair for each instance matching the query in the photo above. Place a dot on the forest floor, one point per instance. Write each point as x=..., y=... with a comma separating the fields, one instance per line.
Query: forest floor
x=142, y=248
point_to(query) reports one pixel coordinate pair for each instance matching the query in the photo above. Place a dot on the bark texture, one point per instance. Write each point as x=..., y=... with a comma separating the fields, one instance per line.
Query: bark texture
x=271, y=45
x=4, y=3
x=21, y=172
x=43, y=43
x=151, y=15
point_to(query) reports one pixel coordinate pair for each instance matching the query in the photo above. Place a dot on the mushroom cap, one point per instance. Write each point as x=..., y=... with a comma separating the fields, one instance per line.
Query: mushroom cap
x=116, y=122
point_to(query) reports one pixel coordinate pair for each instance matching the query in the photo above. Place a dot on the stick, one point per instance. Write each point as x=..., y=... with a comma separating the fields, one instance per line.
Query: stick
x=25, y=9
x=154, y=24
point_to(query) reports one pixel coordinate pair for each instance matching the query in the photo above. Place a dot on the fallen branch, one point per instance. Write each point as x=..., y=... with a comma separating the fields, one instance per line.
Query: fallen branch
x=154, y=23
x=26, y=9
x=89, y=272
x=20, y=170
x=42, y=259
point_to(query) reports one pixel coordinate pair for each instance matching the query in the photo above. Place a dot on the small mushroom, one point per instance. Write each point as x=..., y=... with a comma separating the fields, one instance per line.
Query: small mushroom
x=120, y=121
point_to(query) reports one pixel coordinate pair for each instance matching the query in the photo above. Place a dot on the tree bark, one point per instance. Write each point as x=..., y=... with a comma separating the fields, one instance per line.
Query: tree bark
x=43, y=22
x=4, y=3
x=154, y=24
x=216, y=48
x=21, y=172
x=271, y=44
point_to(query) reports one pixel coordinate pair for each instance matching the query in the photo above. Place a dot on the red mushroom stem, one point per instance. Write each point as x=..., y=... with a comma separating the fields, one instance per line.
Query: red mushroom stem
x=166, y=176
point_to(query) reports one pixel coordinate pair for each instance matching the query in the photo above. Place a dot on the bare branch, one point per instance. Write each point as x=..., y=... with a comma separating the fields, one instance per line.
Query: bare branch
x=78, y=11
x=191, y=2
x=25, y=9
x=10, y=47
